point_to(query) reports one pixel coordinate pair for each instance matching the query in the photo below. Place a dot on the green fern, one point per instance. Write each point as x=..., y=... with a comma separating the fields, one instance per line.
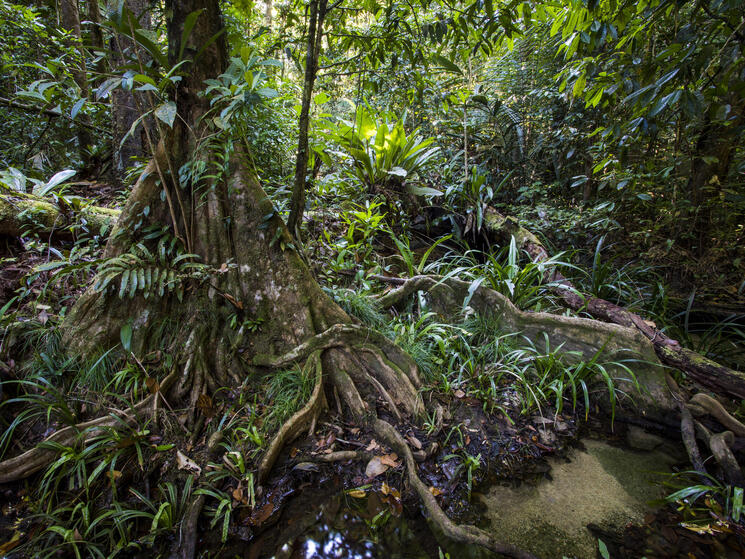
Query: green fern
x=150, y=273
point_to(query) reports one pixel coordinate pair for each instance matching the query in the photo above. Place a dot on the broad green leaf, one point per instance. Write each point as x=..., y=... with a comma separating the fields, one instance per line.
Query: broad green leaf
x=146, y=39
x=446, y=63
x=579, y=85
x=167, y=113
x=189, y=23
x=125, y=334
x=603, y=549
x=56, y=180
x=268, y=92
x=737, y=503
x=423, y=190
x=76, y=108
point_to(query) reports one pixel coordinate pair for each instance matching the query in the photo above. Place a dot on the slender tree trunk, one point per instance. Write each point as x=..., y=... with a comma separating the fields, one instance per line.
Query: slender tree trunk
x=94, y=16
x=268, y=13
x=712, y=158
x=70, y=20
x=126, y=105
x=315, y=35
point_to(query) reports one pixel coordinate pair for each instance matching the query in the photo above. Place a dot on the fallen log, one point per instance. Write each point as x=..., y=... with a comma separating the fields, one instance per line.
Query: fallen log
x=22, y=214
x=705, y=372
x=579, y=338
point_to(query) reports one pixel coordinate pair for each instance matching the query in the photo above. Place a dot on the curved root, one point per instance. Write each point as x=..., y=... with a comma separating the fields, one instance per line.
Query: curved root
x=33, y=460
x=687, y=429
x=332, y=337
x=187, y=546
x=345, y=335
x=719, y=444
x=704, y=403
x=464, y=534
x=388, y=371
x=298, y=421
x=411, y=285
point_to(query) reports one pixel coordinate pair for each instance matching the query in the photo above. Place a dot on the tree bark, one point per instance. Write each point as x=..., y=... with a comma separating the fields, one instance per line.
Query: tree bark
x=315, y=35
x=70, y=20
x=94, y=16
x=126, y=106
x=268, y=13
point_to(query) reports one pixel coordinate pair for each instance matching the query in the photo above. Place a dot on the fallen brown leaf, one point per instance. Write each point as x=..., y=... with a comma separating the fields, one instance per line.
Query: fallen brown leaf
x=375, y=467
x=261, y=515
x=185, y=463
x=416, y=443
x=390, y=460
x=12, y=543
x=152, y=385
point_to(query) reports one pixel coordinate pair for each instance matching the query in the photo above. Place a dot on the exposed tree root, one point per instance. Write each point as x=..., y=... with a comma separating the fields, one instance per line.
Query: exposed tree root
x=35, y=459
x=410, y=286
x=339, y=456
x=688, y=434
x=703, y=403
x=447, y=295
x=719, y=444
x=464, y=534
x=368, y=368
x=299, y=421
x=687, y=428
x=189, y=529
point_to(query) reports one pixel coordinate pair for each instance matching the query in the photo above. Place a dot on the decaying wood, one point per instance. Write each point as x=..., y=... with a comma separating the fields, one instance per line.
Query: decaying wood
x=22, y=213
x=702, y=370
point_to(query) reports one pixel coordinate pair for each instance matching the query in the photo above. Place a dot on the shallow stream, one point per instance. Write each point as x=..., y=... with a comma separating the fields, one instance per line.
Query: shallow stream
x=596, y=484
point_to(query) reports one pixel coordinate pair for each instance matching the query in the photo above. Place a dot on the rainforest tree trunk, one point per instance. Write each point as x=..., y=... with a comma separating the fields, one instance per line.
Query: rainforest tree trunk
x=70, y=20
x=126, y=106
x=250, y=272
x=710, y=167
x=315, y=35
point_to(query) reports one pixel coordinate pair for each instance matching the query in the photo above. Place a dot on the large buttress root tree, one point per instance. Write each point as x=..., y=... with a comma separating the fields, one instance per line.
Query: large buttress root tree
x=250, y=270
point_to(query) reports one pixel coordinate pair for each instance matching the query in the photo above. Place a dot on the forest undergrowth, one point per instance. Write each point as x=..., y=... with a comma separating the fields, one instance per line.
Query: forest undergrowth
x=485, y=230
x=127, y=488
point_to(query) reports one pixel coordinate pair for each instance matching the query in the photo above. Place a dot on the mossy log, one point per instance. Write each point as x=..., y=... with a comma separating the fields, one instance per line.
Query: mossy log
x=584, y=337
x=707, y=373
x=22, y=213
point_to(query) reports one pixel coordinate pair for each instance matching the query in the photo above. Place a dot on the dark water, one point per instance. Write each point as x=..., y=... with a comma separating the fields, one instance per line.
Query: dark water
x=347, y=527
x=325, y=522
x=322, y=521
